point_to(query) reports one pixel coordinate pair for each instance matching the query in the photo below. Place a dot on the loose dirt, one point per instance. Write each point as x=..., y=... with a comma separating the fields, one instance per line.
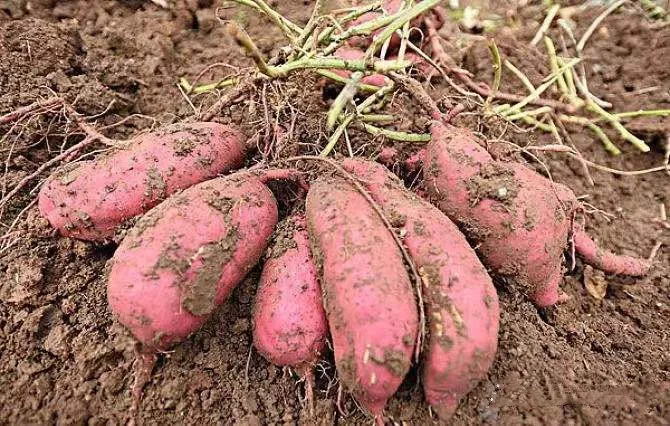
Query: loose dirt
x=64, y=360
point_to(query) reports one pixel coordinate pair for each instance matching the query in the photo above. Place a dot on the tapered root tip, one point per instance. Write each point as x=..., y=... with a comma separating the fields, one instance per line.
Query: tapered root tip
x=550, y=294
x=445, y=409
x=374, y=407
x=607, y=261
x=308, y=374
x=144, y=365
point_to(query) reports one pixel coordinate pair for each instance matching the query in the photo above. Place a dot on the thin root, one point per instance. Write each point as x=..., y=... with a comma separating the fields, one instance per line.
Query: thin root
x=144, y=364
x=232, y=97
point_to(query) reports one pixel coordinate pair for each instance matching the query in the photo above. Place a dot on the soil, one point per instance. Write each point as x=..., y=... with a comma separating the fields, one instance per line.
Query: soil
x=63, y=358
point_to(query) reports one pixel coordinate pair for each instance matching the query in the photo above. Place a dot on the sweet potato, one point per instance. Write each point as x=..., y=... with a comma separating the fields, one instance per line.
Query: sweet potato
x=90, y=200
x=461, y=303
x=519, y=219
x=182, y=258
x=367, y=294
x=290, y=327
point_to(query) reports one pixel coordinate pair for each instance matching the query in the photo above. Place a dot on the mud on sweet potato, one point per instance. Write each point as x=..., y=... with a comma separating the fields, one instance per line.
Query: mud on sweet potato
x=182, y=259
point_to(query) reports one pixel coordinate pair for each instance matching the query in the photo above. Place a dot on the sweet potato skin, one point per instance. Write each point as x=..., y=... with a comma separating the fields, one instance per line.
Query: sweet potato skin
x=367, y=294
x=182, y=258
x=90, y=200
x=520, y=220
x=290, y=326
x=607, y=261
x=461, y=303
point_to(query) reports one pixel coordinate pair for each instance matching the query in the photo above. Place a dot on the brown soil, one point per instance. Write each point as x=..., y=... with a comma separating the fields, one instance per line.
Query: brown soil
x=64, y=360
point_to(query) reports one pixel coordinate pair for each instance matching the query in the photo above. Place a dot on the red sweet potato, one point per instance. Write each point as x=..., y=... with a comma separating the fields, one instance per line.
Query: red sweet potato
x=89, y=200
x=290, y=327
x=367, y=294
x=182, y=258
x=461, y=303
x=519, y=219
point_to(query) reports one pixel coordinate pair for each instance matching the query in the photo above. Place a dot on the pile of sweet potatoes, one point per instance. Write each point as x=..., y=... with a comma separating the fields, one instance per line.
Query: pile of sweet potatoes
x=363, y=265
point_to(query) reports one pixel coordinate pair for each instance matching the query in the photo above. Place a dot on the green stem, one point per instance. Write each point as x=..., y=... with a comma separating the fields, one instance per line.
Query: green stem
x=607, y=143
x=405, y=33
x=363, y=108
x=534, y=112
x=306, y=33
x=625, y=134
x=338, y=78
x=289, y=29
x=332, y=141
x=536, y=123
x=554, y=131
x=376, y=118
x=521, y=76
x=653, y=10
x=399, y=21
x=354, y=14
x=551, y=14
x=185, y=85
x=593, y=106
x=553, y=64
x=569, y=81
x=589, y=31
x=337, y=63
x=284, y=24
x=368, y=103
x=382, y=52
x=643, y=113
x=363, y=29
x=345, y=96
x=394, y=135
x=582, y=87
x=497, y=69
x=242, y=38
x=390, y=23
x=213, y=86
x=544, y=86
